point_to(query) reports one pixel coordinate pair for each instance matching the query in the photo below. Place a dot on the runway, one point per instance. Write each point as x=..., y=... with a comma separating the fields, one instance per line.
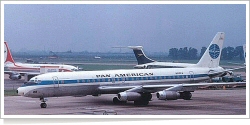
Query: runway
x=207, y=102
x=204, y=102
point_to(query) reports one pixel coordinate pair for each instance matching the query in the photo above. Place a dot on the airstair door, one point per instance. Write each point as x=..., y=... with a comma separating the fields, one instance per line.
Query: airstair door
x=191, y=76
x=55, y=81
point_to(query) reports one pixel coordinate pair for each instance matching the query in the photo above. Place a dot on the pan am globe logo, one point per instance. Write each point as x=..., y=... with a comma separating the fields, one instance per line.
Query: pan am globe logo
x=214, y=51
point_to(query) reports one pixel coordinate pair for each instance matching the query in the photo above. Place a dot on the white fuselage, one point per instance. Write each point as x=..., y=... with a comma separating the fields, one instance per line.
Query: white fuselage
x=164, y=65
x=89, y=82
x=25, y=67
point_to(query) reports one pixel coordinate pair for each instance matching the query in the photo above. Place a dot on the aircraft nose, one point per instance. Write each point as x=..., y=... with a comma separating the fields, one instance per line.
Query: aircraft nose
x=20, y=92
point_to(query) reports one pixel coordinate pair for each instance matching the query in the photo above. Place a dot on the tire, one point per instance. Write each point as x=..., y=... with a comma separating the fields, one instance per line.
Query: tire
x=43, y=105
x=187, y=95
x=141, y=103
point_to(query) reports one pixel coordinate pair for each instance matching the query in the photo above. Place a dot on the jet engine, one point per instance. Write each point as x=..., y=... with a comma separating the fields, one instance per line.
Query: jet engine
x=168, y=95
x=15, y=76
x=129, y=96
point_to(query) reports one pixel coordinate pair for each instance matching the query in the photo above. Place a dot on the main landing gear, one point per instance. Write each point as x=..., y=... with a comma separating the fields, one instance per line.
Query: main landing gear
x=43, y=104
x=140, y=102
x=186, y=95
x=144, y=100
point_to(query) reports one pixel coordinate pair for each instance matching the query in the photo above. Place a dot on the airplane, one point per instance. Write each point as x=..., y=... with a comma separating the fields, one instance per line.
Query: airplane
x=146, y=63
x=131, y=84
x=17, y=70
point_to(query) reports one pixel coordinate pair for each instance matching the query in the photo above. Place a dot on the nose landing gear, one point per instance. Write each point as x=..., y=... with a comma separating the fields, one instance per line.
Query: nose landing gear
x=43, y=104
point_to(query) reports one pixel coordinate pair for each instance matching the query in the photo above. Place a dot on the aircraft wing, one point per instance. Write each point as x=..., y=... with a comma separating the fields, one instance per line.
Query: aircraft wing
x=17, y=75
x=9, y=72
x=223, y=73
x=235, y=63
x=21, y=73
x=191, y=86
x=168, y=87
x=244, y=67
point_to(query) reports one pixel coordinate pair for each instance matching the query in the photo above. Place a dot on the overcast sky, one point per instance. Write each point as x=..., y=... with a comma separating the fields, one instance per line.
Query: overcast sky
x=97, y=28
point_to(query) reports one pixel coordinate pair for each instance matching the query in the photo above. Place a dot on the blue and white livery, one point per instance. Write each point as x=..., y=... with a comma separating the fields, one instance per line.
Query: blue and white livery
x=130, y=85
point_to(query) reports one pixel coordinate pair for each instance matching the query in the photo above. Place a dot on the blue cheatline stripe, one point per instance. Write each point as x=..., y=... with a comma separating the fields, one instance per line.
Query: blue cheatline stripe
x=121, y=79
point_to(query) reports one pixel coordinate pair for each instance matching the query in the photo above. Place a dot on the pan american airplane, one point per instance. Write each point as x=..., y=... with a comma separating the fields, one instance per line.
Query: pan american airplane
x=17, y=70
x=131, y=84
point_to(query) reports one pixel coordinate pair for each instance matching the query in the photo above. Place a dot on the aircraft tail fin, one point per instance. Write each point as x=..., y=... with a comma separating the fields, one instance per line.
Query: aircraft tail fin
x=140, y=56
x=211, y=57
x=7, y=54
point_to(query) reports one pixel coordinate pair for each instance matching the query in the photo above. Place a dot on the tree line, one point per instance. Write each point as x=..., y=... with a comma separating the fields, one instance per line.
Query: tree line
x=228, y=53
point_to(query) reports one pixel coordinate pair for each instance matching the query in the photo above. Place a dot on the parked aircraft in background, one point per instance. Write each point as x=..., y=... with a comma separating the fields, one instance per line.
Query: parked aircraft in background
x=132, y=84
x=16, y=70
x=146, y=63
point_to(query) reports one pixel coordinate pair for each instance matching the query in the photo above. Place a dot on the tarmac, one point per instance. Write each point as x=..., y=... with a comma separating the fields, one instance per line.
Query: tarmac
x=204, y=103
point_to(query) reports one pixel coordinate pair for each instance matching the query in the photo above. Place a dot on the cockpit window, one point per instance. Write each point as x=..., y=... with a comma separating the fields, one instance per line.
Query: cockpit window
x=35, y=80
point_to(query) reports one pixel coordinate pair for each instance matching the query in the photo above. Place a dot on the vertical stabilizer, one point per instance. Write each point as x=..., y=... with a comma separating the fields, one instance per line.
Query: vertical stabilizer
x=140, y=56
x=7, y=55
x=211, y=57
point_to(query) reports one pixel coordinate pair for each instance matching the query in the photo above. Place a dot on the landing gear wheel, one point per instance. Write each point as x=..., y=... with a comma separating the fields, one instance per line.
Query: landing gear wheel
x=141, y=103
x=186, y=95
x=146, y=96
x=43, y=105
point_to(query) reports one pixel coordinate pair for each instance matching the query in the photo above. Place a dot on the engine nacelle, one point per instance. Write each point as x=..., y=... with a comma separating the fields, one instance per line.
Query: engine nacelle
x=168, y=95
x=15, y=76
x=129, y=96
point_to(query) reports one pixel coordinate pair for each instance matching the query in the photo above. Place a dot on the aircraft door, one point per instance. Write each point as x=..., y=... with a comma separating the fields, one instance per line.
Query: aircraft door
x=191, y=76
x=55, y=81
